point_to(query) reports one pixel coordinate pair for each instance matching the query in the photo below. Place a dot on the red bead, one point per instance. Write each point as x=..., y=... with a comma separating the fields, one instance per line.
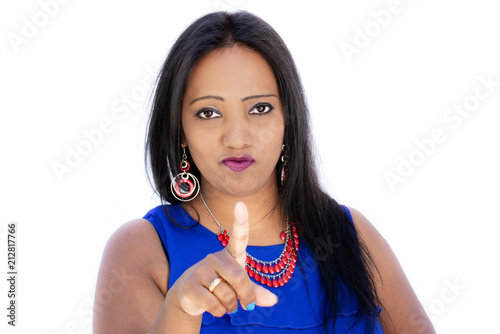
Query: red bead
x=288, y=260
x=187, y=165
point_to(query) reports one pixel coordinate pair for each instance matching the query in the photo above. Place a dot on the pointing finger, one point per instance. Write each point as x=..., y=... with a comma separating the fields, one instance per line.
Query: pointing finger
x=238, y=242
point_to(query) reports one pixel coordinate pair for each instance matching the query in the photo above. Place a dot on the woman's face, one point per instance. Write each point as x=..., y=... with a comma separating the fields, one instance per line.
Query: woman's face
x=232, y=121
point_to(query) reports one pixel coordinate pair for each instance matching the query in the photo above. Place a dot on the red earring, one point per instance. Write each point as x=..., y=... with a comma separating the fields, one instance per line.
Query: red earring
x=284, y=160
x=185, y=186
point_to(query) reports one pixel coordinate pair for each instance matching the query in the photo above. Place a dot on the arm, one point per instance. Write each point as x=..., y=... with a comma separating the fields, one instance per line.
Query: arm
x=132, y=284
x=131, y=292
x=395, y=292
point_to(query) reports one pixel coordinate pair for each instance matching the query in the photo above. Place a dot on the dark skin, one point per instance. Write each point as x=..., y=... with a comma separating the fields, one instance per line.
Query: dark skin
x=234, y=126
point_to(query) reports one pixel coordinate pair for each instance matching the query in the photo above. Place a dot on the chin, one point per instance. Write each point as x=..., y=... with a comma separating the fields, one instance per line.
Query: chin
x=241, y=185
x=241, y=189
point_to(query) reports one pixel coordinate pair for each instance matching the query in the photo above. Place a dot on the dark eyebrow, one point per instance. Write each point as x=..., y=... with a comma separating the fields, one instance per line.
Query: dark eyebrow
x=256, y=97
x=207, y=97
x=222, y=99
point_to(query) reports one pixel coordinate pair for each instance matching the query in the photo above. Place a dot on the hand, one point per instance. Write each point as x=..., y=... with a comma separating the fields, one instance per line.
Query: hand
x=191, y=289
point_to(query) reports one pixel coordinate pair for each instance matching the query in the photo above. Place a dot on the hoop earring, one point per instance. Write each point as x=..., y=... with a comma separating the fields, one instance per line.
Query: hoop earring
x=284, y=160
x=185, y=186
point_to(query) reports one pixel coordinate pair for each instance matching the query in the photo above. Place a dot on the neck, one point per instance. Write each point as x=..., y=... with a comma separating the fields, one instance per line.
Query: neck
x=266, y=217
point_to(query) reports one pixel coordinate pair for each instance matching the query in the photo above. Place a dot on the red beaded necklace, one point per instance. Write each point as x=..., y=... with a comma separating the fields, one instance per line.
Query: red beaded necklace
x=271, y=273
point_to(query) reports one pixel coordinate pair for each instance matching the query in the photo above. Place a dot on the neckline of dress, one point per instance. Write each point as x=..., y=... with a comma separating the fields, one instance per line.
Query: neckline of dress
x=196, y=224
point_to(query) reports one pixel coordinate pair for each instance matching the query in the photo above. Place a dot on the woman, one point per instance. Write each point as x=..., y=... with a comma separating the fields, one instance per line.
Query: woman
x=249, y=241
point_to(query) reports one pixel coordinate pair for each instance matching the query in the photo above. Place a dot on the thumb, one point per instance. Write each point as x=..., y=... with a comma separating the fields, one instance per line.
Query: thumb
x=238, y=242
x=264, y=297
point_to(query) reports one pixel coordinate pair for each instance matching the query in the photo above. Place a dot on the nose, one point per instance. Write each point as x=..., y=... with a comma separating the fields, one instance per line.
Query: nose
x=237, y=132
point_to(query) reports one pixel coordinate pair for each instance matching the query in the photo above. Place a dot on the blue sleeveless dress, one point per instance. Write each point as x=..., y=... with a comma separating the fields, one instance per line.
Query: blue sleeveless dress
x=301, y=302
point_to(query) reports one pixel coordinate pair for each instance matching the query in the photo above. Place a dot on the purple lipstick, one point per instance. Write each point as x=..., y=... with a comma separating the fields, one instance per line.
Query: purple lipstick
x=238, y=164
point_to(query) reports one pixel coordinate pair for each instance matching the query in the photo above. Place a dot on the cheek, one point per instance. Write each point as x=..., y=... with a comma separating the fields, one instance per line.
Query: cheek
x=203, y=159
x=202, y=147
x=191, y=132
x=271, y=134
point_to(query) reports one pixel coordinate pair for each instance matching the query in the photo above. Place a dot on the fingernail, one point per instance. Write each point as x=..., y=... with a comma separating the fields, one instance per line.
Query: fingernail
x=251, y=306
x=234, y=312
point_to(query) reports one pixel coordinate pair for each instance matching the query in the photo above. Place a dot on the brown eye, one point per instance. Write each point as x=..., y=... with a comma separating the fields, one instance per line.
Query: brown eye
x=261, y=109
x=208, y=114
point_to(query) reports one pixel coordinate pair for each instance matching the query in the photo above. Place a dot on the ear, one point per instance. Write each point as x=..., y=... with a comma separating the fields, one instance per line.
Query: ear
x=183, y=140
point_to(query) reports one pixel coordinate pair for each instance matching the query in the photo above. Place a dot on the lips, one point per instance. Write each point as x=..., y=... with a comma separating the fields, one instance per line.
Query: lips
x=238, y=164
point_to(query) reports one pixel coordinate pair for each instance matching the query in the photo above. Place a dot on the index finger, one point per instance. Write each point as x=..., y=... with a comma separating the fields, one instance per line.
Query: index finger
x=238, y=242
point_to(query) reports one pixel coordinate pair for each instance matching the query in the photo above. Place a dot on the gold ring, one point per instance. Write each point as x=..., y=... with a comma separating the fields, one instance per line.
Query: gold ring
x=214, y=284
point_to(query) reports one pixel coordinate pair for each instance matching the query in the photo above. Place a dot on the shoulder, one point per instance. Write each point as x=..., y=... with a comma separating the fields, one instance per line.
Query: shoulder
x=136, y=244
x=402, y=310
x=132, y=280
x=163, y=217
x=368, y=233
x=383, y=257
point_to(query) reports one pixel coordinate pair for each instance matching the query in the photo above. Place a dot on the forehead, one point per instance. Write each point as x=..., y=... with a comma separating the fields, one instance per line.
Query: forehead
x=236, y=70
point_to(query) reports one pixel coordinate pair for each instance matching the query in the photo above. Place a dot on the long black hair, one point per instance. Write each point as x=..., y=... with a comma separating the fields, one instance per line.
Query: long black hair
x=322, y=223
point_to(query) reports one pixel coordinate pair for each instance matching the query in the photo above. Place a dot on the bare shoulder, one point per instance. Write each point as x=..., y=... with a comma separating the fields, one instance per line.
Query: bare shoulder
x=137, y=244
x=132, y=280
x=402, y=311
x=367, y=232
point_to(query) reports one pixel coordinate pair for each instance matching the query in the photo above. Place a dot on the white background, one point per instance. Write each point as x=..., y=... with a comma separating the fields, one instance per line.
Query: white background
x=76, y=68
